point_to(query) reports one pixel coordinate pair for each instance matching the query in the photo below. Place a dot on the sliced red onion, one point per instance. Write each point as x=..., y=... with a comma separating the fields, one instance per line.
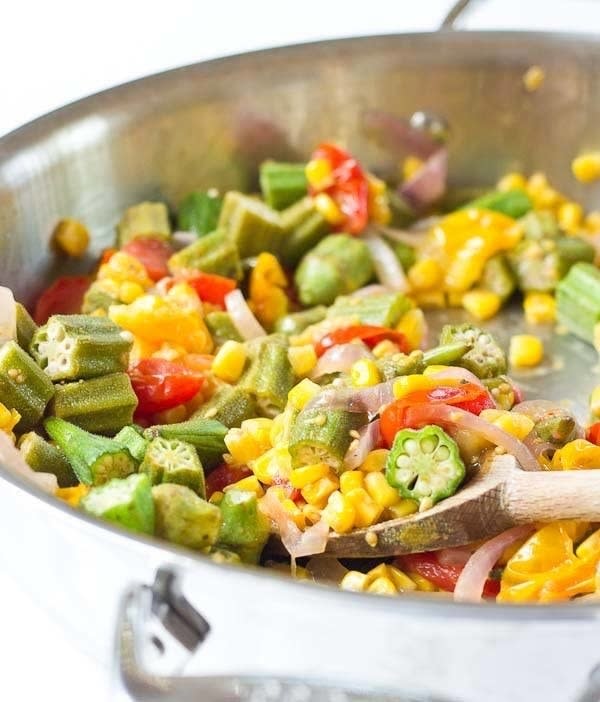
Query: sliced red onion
x=369, y=290
x=397, y=135
x=455, y=373
x=429, y=183
x=454, y=556
x=241, y=316
x=386, y=263
x=180, y=239
x=369, y=400
x=326, y=570
x=359, y=449
x=12, y=460
x=8, y=315
x=340, y=358
x=471, y=581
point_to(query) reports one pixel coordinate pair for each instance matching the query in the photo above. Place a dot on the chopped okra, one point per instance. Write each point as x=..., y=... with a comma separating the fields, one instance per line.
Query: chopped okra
x=485, y=358
x=199, y=212
x=173, y=461
x=244, y=528
x=207, y=436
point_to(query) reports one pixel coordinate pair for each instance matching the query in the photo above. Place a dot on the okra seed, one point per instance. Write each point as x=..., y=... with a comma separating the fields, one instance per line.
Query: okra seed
x=428, y=444
x=13, y=373
x=442, y=453
x=403, y=461
x=404, y=475
x=410, y=447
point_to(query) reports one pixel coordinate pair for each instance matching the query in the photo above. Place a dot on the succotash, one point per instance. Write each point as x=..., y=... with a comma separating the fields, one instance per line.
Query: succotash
x=254, y=365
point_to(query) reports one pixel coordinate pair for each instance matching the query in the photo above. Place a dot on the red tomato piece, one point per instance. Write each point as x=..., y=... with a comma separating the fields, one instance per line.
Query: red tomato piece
x=225, y=475
x=106, y=255
x=370, y=334
x=161, y=385
x=593, y=433
x=64, y=296
x=211, y=288
x=152, y=253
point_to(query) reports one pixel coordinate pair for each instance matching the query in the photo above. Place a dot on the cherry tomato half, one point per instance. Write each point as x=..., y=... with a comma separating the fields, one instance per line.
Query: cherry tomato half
x=152, y=253
x=593, y=433
x=161, y=385
x=64, y=296
x=371, y=335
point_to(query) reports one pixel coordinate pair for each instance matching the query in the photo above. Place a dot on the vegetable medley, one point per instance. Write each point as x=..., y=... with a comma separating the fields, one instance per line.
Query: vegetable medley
x=264, y=371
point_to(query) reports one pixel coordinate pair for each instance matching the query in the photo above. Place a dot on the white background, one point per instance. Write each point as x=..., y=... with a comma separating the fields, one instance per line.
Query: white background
x=55, y=51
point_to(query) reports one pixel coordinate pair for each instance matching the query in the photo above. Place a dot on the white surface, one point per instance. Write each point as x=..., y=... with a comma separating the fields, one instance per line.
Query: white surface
x=55, y=52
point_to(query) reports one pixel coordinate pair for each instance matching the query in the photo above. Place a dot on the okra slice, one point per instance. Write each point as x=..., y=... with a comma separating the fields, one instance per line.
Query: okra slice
x=125, y=502
x=132, y=437
x=184, y=518
x=95, y=459
x=282, y=184
x=304, y=227
x=213, y=253
x=23, y=385
x=502, y=390
x=323, y=436
x=199, y=212
x=103, y=405
x=498, y=277
x=485, y=358
x=424, y=465
x=397, y=364
x=26, y=327
x=540, y=225
x=145, y=219
x=207, y=436
x=296, y=322
x=578, y=300
x=221, y=327
x=173, y=461
x=229, y=406
x=269, y=377
x=244, y=528
x=79, y=346
x=513, y=203
x=556, y=426
x=382, y=309
x=44, y=457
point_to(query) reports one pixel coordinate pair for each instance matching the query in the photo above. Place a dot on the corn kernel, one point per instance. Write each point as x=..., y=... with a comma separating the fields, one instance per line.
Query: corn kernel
x=380, y=571
x=71, y=237
x=586, y=168
x=540, y=308
x=354, y=581
x=536, y=183
x=302, y=393
x=229, y=361
x=128, y=292
x=328, y=209
x=272, y=465
x=242, y=446
x=339, y=513
x=401, y=509
x=455, y=299
x=9, y=418
x=570, y=216
x=378, y=201
x=382, y=586
x=367, y=510
x=260, y=429
x=514, y=423
x=595, y=402
x=350, y=480
x=411, y=166
x=425, y=274
x=533, y=78
x=512, y=181
x=592, y=222
x=249, y=484
x=317, y=493
x=385, y=348
x=303, y=476
x=414, y=327
x=482, y=304
x=72, y=495
x=431, y=299
x=295, y=512
x=401, y=581
x=303, y=359
x=407, y=384
x=525, y=351
x=319, y=173
x=380, y=490
x=123, y=268
x=216, y=497
x=364, y=373
x=375, y=461
x=423, y=585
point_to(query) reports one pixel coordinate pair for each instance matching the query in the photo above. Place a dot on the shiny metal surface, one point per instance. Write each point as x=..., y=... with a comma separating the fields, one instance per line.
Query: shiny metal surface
x=209, y=125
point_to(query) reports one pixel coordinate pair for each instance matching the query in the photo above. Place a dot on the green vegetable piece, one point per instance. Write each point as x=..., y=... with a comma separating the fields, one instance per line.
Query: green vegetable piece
x=502, y=390
x=397, y=364
x=304, y=226
x=229, y=406
x=498, y=277
x=78, y=346
x=513, y=203
x=445, y=355
x=102, y=405
x=26, y=327
x=223, y=555
x=251, y=225
x=296, y=322
x=146, y=219
x=557, y=426
x=23, y=385
x=381, y=309
x=338, y=265
x=95, y=459
x=212, y=253
x=125, y=502
x=132, y=437
x=319, y=436
x=578, y=300
x=173, y=461
x=199, y=212
x=221, y=327
x=207, y=436
x=424, y=465
x=44, y=457
x=269, y=376
x=407, y=255
x=184, y=518
x=485, y=358
x=282, y=184
x=98, y=298
x=244, y=528
x=540, y=225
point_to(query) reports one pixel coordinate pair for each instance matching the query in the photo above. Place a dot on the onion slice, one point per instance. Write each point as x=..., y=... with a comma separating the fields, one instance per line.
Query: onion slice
x=241, y=316
x=428, y=184
x=370, y=435
x=8, y=315
x=386, y=263
x=181, y=239
x=471, y=581
x=12, y=460
x=340, y=358
x=366, y=400
x=456, y=373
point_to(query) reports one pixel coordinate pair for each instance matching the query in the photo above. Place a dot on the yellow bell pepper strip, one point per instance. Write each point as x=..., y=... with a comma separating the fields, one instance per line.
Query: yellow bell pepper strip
x=268, y=300
x=576, y=455
x=9, y=418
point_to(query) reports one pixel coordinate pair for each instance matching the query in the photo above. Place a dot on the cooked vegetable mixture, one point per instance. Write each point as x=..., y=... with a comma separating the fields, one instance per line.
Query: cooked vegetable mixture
x=264, y=372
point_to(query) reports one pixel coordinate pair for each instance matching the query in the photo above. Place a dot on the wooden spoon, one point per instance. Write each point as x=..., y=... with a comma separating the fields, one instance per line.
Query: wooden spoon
x=500, y=496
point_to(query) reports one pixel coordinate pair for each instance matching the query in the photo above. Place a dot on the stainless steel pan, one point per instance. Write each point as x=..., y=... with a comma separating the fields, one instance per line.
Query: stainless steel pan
x=208, y=125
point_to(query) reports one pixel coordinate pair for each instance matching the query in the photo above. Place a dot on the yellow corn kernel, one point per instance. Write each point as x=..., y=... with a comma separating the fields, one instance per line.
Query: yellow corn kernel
x=274, y=464
x=317, y=493
x=354, y=581
x=401, y=581
x=266, y=290
x=411, y=166
x=305, y=475
x=385, y=348
x=414, y=327
x=249, y=484
x=570, y=216
x=592, y=222
x=455, y=299
x=380, y=490
x=71, y=237
x=378, y=201
x=512, y=181
x=242, y=446
x=380, y=571
x=525, y=350
x=302, y=359
x=586, y=168
x=536, y=184
x=577, y=454
x=382, y=586
x=328, y=208
x=595, y=402
x=339, y=513
x=72, y=495
x=260, y=430
x=216, y=497
x=350, y=480
x=482, y=304
x=406, y=384
x=9, y=418
x=318, y=173
x=229, y=361
x=128, y=292
x=123, y=268
x=540, y=308
x=423, y=585
x=425, y=274
x=295, y=512
x=513, y=423
x=311, y=513
x=533, y=78
x=431, y=299
x=401, y=509
x=375, y=461
x=364, y=373
x=302, y=393
x=367, y=510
